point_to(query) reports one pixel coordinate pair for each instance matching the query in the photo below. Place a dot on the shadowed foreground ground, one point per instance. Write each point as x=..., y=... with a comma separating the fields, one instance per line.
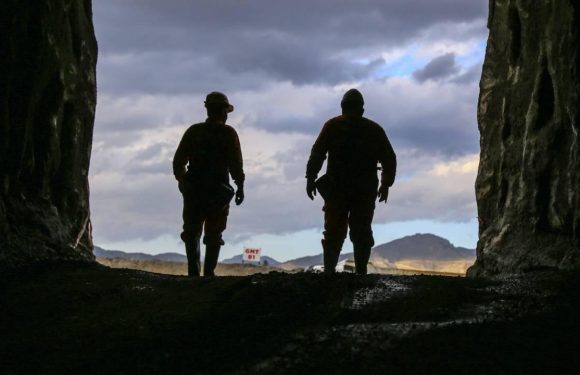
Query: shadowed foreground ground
x=91, y=319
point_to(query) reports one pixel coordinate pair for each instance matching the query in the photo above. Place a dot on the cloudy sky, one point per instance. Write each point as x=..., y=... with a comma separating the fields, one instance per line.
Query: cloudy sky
x=285, y=66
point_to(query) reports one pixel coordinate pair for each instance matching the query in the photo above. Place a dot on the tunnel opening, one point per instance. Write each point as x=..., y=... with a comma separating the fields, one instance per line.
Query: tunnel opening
x=463, y=71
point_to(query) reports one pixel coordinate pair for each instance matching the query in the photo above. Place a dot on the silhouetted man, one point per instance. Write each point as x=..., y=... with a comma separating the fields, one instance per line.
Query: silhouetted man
x=211, y=150
x=354, y=145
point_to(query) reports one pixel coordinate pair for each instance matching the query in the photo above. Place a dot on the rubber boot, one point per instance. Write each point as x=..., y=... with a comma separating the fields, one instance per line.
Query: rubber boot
x=192, y=252
x=330, y=255
x=212, y=253
x=361, y=258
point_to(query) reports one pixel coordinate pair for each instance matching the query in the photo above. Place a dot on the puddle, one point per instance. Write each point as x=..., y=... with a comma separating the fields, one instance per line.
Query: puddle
x=142, y=288
x=384, y=290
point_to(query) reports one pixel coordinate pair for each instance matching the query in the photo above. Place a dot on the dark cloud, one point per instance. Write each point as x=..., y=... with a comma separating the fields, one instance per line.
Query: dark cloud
x=173, y=73
x=177, y=24
x=437, y=69
x=177, y=46
x=472, y=74
x=297, y=123
x=294, y=62
x=178, y=74
x=451, y=132
x=431, y=141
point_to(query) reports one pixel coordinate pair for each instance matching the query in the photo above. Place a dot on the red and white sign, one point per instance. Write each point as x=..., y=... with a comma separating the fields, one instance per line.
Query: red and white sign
x=252, y=254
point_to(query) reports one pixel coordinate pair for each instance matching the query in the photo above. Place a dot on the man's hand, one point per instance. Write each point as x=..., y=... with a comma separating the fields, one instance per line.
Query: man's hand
x=310, y=188
x=239, y=195
x=180, y=184
x=383, y=193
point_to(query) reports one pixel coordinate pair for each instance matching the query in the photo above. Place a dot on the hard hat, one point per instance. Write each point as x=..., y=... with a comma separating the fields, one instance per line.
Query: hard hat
x=218, y=98
x=352, y=96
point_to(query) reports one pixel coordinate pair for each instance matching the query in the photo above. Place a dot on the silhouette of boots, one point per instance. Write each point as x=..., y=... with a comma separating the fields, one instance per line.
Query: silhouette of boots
x=330, y=255
x=192, y=252
x=361, y=258
x=212, y=253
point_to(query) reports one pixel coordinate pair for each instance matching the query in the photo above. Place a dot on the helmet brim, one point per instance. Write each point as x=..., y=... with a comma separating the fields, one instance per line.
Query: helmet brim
x=229, y=107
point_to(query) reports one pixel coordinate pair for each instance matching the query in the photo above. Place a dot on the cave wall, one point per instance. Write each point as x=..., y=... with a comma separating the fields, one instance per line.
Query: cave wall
x=528, y=183
x=47, y=108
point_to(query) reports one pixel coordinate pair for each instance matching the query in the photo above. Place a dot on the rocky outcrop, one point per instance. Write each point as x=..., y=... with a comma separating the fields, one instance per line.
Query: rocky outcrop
x=528, y=185
x=47, y=107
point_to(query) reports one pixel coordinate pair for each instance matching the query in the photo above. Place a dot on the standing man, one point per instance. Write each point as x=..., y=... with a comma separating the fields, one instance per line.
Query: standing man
x=354, y=145
x=211, y=150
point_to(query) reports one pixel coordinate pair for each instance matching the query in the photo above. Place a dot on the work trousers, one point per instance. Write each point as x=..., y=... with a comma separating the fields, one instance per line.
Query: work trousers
x=212, y=224
x=342, y=214
x=198, y=219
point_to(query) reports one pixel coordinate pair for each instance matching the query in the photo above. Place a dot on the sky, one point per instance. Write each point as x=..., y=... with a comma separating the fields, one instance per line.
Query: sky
x=284, y=66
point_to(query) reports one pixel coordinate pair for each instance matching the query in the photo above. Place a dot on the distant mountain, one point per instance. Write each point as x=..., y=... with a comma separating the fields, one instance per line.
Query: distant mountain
x=421, y=246
x=169, y=257
x=424, y=247
x=238, y=260
x=419, y=251
x=165, y=257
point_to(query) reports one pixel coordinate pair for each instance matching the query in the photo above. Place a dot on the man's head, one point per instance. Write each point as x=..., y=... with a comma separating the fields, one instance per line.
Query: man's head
x=218, y=106
x=352, y=103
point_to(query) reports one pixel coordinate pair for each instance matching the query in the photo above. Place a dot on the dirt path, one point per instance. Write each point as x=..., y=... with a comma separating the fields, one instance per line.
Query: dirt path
x=70, y=319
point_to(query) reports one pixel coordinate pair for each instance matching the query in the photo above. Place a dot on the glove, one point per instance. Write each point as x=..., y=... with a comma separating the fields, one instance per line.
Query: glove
x=383, y=193
x=310, y=188
x=239, y=195
x=182, y=185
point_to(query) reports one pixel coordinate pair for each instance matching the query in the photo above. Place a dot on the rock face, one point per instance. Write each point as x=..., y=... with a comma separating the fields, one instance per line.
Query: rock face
x=528, y=185
x=47, y=99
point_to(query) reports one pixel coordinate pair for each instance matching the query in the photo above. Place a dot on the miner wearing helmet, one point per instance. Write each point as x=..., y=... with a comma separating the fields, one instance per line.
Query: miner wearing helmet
x=211, y=152
x=354, y=145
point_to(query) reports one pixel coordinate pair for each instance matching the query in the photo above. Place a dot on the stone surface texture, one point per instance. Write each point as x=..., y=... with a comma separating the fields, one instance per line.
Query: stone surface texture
x=528, y=184
x=47, y=106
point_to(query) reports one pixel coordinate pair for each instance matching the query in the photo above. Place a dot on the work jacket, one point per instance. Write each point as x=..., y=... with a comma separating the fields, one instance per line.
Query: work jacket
x=354, y=146
x=211, y=152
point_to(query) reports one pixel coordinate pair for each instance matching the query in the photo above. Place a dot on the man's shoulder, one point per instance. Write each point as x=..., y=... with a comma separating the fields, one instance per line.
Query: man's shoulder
x=230, y=130
x=202, y=127
x=373, y=126
x=195, y=127
x=341, y=120
x=194, y=131
x=371, y=123
x=344, y=119
x=335, y=121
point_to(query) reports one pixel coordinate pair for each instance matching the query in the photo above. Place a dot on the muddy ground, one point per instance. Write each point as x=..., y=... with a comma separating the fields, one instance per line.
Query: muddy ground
x=96, y=320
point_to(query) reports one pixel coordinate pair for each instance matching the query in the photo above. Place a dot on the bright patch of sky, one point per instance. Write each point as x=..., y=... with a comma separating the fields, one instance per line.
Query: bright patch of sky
x=474, y=57
x=403, y=66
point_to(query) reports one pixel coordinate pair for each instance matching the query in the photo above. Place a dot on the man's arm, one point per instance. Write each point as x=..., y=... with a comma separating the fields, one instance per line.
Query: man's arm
x=236, y=166
x=180, y=158
x=316, y=159
x=388, y=161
